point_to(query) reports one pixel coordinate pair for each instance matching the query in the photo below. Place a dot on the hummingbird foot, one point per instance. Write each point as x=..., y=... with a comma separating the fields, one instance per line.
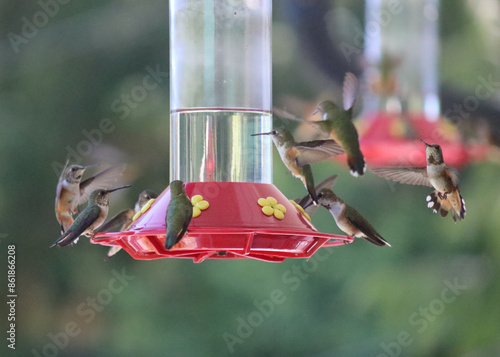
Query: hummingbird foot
x=442, y=196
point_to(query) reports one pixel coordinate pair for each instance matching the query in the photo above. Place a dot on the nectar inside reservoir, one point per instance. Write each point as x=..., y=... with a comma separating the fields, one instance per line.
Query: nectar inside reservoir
x=217, y=146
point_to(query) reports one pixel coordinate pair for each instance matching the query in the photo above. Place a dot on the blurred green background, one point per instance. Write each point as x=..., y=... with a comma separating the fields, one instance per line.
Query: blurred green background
x=358, y=300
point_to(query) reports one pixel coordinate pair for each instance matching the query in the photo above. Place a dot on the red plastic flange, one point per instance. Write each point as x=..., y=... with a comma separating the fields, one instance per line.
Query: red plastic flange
x=232, y=227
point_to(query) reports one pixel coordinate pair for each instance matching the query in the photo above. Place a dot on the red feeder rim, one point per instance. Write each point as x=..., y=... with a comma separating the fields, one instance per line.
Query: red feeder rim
x=234, y=226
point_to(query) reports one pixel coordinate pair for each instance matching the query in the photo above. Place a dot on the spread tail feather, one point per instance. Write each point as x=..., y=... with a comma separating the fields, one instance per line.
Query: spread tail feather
x=453, y=202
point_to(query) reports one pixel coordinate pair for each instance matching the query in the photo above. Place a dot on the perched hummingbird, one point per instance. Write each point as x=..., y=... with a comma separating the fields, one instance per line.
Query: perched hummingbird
x=305, y=202
x=339, y=124
x=89, y=219
x=179, y=214
x=124, y=219
x=437, y=174
x=71, y=192
x=297, y=157
x=348, y=219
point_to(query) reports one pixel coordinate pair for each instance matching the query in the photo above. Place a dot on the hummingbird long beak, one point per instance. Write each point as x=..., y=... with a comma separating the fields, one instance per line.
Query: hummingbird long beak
x=261, y=134
x=309, y=204
x=118, y=188
x=89, y=166
x=424, y=142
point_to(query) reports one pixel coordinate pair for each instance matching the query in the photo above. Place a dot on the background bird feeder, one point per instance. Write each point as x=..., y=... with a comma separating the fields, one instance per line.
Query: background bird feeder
x=401, y=102
x=220, y=94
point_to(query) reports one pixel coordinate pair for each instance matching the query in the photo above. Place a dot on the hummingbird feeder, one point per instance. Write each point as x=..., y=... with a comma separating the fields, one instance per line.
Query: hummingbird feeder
x=401, y=102
x=220, y=94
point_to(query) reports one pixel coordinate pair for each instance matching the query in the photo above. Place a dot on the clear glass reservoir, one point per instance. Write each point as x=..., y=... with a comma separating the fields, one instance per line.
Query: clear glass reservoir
x=220, y=90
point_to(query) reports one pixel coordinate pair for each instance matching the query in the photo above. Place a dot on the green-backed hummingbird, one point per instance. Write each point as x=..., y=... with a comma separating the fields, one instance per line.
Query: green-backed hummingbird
x=178, y=215
x=348, y=219
x=297, y=157
x=72, y=192
x=443, y=178
x=123, y=220
x=338, y=123
x=91, y=218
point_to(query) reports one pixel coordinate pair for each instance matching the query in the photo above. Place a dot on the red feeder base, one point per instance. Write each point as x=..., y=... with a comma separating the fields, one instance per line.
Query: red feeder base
x=234, y=226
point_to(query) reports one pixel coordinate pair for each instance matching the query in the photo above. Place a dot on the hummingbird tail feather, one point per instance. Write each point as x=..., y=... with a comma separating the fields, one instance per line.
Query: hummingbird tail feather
x=453, y=202
x=377, y=240
x=356, y=164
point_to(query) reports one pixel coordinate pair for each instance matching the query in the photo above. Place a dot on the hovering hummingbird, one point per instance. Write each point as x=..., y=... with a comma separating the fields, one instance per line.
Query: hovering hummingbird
x=338, y=123
x=72, y=192
x=305, y=202
x=124, y=219
x=348, y=219
x=89, y=219
x=438, y=175
x=178, y=215
x=297, y=157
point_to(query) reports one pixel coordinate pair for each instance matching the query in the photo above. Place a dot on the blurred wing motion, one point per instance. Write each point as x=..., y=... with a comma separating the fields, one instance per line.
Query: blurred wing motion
x=349, y=89
x=405, y=174
x=103, y=180
x=282, y=113
x=317, y=150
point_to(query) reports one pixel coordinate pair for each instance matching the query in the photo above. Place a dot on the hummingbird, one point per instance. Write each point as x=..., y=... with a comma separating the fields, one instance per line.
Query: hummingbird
x=72, y=192
x=338, y=123
x=305, y=202
x=443, y=178
x=124, y=219
x=348, y=219
x=297, y=157
x=178, y=215
x=91, y=218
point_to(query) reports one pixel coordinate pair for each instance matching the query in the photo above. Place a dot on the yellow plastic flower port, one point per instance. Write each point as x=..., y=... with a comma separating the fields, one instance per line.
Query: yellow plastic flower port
x=198, y=205
x=143, y=209
x=301, y=210
x=271, y=207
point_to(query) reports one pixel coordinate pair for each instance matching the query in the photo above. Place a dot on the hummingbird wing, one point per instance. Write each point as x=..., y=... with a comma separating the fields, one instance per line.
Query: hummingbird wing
x=323, y=125
x=103, y=180
x=310, y=152
x=358, y=221
x=453, y=174
x=88, y=216
x=306, y=200
x=120, y=220
x=177, y=221
x=409, y=175
x=282, y=113
x=349, y=90
x=63, y=215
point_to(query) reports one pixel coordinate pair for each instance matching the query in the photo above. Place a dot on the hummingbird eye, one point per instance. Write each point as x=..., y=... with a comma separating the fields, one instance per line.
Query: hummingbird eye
x=74, y=169
x=274, y=132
